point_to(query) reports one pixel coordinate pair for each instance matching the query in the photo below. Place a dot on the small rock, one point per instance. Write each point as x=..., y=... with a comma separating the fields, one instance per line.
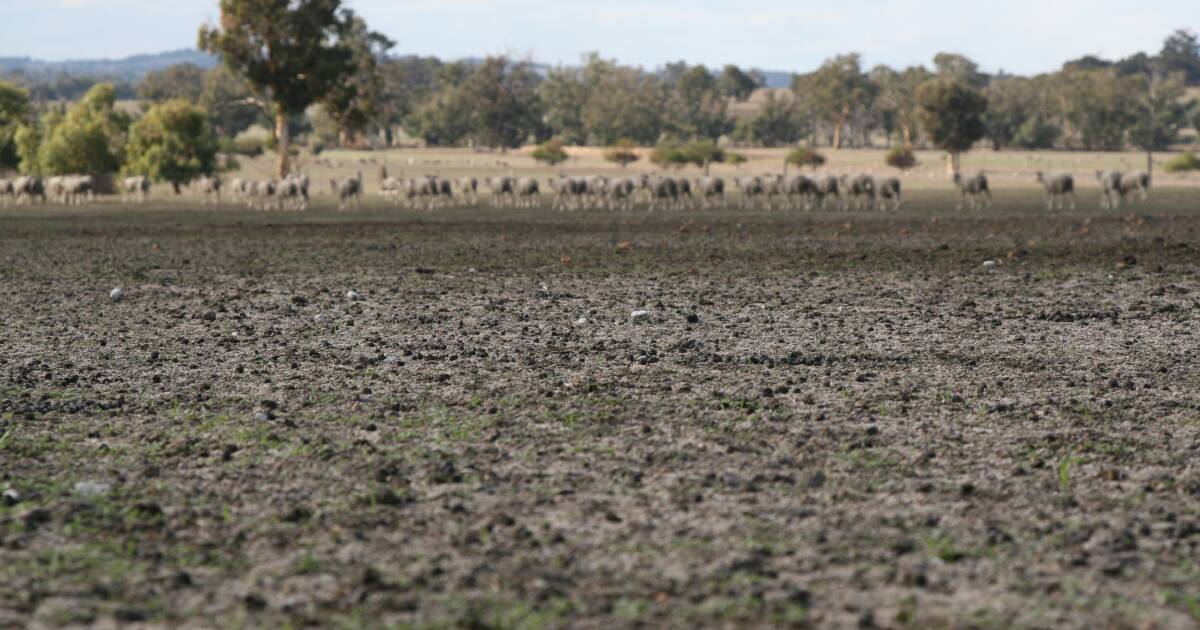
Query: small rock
x=209, y=316
x=693, y=318
x=581, y=321
x=319, y=318
x=92, y=488
x=640, y=317
x=116, y=294
x=352, y=295
x=10, y=497
x=989, y=264
x=392, y=360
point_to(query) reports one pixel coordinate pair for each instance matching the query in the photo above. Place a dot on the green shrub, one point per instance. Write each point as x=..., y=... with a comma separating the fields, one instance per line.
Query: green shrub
x=806, y=156
x=901, y=158
x=550, y=152
x=1184, y=163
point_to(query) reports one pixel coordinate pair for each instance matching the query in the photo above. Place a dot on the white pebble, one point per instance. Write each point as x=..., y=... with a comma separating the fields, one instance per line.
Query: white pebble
x=581, y=321
x=319, y=318
x=640, y=317
x=352, y=295
x=989, y=264
x=91, y=488
x=116, y=294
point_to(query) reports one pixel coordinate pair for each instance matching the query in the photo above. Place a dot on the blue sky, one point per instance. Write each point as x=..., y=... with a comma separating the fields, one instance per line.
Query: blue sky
x=1023, y=36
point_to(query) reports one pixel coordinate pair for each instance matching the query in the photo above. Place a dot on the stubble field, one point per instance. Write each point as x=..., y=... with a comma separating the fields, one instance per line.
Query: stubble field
x=833, y=419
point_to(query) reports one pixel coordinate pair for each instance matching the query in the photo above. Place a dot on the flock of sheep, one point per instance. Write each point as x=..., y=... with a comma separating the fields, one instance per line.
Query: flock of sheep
x=654, y=192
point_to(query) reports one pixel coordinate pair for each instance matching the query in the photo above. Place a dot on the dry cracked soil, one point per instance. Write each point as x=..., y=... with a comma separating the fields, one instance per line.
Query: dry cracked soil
x=827, y=419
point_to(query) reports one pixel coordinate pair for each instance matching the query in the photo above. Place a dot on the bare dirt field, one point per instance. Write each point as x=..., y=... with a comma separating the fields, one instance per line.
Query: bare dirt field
x=829, y=419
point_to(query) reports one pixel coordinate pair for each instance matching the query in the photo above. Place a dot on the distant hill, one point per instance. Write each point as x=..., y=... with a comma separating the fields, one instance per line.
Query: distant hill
x=130, y=69
x=133, y=69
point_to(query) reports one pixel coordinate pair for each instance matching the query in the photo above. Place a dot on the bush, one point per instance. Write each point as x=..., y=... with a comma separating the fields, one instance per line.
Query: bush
x=901, y=158
x=1184, y=163
x=806, y=156
x=245, y=147
x=550, y=152
x=702, y=153
x=622, y=152
x=735, y=159
x=668, y=156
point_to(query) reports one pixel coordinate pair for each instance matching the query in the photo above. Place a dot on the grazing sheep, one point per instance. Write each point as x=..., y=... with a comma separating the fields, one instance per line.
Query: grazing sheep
x=830, y=186
x=1136, y=182
x=469, y=188
x=1110, y=189
x=347, y=191
x=860, y=189
x=751, y=189
x=569, y=192
x=7, y=191
x=527, y=192
x=75, y=190
x=664, y=192
x=973, y=191
x=29, y=188
x=711, y=188
x=262, y=194
x=1058, y=187
x=292, y=193
x=135, y=189
x=800, y=191
x=621, y=194
x=240, y=190
x=502, y=190
x=887, y=189
x=210, y=190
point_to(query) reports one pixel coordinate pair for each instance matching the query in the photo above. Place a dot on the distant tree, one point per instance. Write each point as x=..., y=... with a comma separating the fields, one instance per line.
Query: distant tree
x=622, y=102
x=408, y=82
x=959, y=68
x=697, y=109
x=183, y=80
x=622, y=152
x=230, y=104
x=735, y=83
x=898, y=92
x=502, y=97
x=1011, y=102
x=1181, y=54
x=805, y=157
x=550, y=153
x=444, y=120
x=564, y=94
x=1137, y=63
x=702, y=153
x=836, y=89
x=172, y=143
x=952, y=114
x=291, y=52
x=1036, y=133
x=1162, y=114
x=1087, y=62
x=353, y=102
x=779, y=122
x=89, y=138
x=1097, y=107
x=15, y=111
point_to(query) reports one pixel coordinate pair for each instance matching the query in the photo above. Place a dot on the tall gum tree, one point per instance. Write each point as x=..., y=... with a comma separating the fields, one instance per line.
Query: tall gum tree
x=291, y=52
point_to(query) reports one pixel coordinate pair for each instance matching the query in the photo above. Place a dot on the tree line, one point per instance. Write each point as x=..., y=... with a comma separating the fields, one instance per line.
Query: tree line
x=314, y=69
